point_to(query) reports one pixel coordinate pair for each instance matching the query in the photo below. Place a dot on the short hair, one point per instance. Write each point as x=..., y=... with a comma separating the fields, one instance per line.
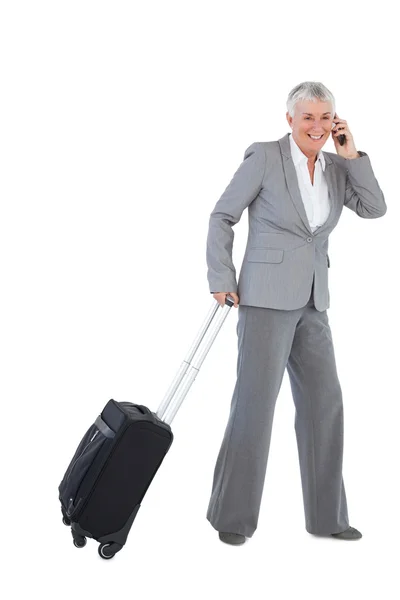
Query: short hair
x=312, y=91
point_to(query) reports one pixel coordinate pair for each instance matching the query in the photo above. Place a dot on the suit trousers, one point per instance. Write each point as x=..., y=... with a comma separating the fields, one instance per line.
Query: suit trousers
x=270, y=340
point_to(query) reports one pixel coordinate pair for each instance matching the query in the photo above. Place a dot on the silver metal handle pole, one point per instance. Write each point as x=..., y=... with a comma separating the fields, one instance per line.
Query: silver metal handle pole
x=190, y=373
x=186, y=363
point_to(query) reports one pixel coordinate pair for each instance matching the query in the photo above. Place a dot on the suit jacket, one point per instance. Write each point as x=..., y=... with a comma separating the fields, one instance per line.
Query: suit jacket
x=283, y=255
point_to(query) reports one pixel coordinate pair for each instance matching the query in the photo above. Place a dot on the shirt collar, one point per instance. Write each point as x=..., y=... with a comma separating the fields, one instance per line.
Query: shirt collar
x=298, y=156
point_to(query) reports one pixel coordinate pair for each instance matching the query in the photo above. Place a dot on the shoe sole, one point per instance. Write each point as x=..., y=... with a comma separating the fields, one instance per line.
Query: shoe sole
x=347, y=539
x=232, y=543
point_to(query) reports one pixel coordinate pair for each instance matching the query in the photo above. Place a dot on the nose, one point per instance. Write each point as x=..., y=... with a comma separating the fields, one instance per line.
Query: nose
x=320, y=126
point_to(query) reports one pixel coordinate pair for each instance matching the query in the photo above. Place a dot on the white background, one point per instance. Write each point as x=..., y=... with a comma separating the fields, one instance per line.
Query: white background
x=121, y=125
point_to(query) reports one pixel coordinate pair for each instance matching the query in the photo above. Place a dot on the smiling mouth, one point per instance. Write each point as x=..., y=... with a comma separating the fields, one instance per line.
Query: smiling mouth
x=315, y=139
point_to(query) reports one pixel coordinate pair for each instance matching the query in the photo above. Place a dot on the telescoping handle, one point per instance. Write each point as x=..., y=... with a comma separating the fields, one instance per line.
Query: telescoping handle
x=191, y=365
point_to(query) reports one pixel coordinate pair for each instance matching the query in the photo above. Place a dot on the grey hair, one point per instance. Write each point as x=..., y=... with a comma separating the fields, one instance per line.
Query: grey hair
x=309, y=90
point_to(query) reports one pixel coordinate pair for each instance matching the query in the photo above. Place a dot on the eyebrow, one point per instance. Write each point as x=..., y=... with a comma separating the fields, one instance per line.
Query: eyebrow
x=304, y=113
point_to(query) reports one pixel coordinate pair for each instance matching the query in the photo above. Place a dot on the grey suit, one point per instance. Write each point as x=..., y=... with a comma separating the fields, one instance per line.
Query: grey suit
x=283, y=254
x=283, y=323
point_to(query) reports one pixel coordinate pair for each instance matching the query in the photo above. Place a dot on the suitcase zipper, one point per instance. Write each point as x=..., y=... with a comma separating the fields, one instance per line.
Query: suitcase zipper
x=71, y=503
x=86, y=500
x=80, y=455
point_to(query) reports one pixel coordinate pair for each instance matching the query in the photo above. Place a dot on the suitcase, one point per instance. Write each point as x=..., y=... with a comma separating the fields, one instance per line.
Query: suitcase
x=119, y=455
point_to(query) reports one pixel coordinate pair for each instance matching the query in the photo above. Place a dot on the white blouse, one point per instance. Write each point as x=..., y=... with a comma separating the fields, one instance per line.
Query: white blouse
x=315, y=197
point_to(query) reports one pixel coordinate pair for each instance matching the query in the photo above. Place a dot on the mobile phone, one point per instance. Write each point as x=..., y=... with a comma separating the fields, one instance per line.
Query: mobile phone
x=341, y=138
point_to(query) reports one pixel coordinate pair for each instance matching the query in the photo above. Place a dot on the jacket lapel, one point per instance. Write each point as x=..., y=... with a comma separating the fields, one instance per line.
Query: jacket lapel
x=330, y=178
x=293, y=184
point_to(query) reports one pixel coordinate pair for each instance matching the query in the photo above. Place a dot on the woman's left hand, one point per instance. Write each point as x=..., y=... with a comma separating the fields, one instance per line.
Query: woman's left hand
x=348, y=150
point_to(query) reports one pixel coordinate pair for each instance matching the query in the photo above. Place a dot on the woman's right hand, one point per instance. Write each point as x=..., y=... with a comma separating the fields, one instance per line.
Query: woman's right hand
x=220, y=297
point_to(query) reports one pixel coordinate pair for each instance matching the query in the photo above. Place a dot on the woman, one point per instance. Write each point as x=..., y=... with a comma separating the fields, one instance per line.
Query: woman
x=295, y=194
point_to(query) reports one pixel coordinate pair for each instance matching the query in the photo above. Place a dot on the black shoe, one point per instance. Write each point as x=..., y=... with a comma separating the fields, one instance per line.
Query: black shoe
x=232, y=538
x=350, y=534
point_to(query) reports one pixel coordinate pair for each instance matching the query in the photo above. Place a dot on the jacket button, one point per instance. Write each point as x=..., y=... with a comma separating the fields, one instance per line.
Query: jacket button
x=309, y=239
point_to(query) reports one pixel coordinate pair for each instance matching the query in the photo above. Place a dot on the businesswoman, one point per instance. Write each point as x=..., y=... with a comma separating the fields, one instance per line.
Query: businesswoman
x=295, y=193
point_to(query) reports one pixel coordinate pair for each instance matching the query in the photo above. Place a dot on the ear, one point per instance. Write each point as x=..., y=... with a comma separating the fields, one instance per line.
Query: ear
x=289, y=119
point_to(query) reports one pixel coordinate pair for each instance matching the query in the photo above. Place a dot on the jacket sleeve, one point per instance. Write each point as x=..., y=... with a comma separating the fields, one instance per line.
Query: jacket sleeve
x=240, y=192
x=363, y=194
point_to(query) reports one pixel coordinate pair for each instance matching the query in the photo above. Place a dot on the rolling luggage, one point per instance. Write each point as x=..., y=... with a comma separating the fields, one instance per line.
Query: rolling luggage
x=119, y=455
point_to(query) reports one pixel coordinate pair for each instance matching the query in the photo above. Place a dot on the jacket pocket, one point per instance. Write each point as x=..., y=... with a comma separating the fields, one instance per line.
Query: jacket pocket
x=268, y=255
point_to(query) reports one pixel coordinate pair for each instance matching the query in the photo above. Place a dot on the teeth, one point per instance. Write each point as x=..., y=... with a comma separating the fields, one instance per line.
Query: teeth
x=315, y=137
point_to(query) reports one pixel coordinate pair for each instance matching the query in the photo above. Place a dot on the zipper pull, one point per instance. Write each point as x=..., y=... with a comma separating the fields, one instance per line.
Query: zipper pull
x=70, y=507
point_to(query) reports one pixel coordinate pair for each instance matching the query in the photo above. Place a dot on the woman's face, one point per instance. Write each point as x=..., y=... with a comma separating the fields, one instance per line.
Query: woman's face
x=311, y=119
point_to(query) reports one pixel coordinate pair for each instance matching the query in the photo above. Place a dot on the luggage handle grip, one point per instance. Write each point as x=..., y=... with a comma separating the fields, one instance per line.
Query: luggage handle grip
x=229, y=301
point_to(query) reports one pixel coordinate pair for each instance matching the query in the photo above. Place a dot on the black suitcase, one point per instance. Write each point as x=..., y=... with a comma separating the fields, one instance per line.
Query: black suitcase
x=118, y=457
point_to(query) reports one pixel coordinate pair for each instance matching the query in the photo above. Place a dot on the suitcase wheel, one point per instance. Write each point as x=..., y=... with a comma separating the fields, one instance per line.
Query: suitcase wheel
x=79, y=541
x=108, y=551
x=65, y=519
